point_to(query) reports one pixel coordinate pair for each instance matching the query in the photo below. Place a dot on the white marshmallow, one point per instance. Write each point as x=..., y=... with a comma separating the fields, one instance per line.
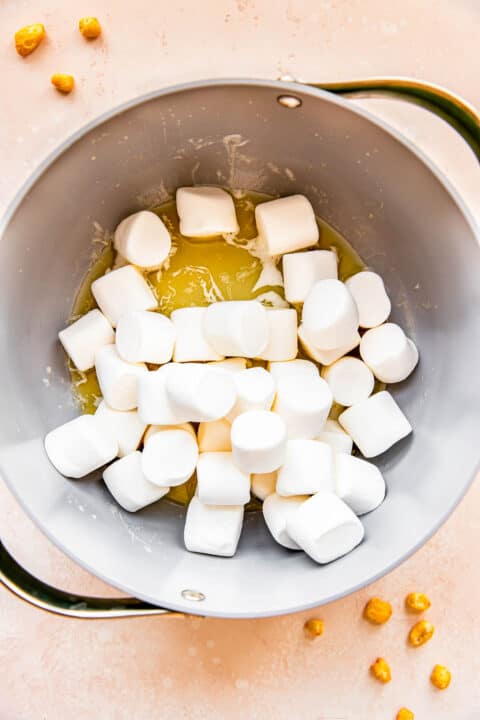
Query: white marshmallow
x=122, y=290
x=154, y=429
x=191, y=344
x=201, y=392
x=281, y=369
x=169, y=457
x=154, y=406
x=129, y=486
x=214, y=436
x=263, y=484
x=143, y=240
x=388, y=352
x=213, y=529
x=304, y=403
x=330, y=315
x=371, y=298
x=220, y=482
x=336, y=437
x=80, y=446
x=255, y=390
x=276, y=512
x=350, y=380
x=84, y=337
x=308, y=468
x=233, y=364
x=125, y=425
x=282, y=335
x=375, y=424
x=286, y=224
x=236, y=327
x=360, y=484
x=117, y=378
x=144, y=336
x=325, y=527
x=205, y=211
x=259, y=440
x=302, y=270
x=326, y=357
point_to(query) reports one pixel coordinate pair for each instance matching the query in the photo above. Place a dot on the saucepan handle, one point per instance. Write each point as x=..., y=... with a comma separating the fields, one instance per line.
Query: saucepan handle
x=452, y=108
x=34, y=591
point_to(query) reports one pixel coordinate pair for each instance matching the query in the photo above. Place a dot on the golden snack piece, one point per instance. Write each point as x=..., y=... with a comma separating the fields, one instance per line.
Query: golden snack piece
x=377, y=611
x=90, y=27
x=381, y=670
x=441, y=677
x=420, y=633
x=405, y=714
x=63, y=83
x=314, y=627
x=417, y=602
x=29, y=38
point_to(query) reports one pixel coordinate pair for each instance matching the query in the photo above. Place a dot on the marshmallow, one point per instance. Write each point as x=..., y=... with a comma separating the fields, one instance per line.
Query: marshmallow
x=389, y=354
x=330, y=315
x=122, y=290
x=304, y=403
x=336, y=437
x=286, y=224
x=84, y=337
x=220, y=482
x=154, y=429
x=117, y=378
x=201, y=392
x=370, y=297
x=308, y=468
x=276, y=512
x=326, y=357
x=213, y=529
x=143, y=240
x=80, y=446
x=129, y=486
x=375, y=424
x=144, y=336
x=281, y=369
x=214, y=436
x=154, y=406
x=125, y=425
x=360, y=484
x=302, y=270
x=259, y=440
x=282, y=335
x=255, y=390
x=263, y=484
x=325, y=527
x=169, y=457
x=191, y=345
x=205, y=211
x=236, y=327
x=234, y=364
x=350, y=380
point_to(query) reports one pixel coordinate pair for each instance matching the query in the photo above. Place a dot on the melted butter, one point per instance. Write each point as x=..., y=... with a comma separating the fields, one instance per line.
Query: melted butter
x=197, y=273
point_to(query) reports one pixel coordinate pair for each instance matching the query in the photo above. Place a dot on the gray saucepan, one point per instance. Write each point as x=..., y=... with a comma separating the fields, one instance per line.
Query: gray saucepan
x=394, y=207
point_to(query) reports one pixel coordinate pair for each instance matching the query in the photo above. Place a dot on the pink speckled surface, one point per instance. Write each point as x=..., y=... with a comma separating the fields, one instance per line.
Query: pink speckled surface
x=191, y=668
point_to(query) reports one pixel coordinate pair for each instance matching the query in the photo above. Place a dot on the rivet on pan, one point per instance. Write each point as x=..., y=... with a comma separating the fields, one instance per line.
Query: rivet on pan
x=194, y=595
x=289, y=101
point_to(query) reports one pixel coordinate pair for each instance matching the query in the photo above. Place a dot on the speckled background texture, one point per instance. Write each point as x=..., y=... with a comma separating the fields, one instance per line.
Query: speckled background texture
x=60, y=669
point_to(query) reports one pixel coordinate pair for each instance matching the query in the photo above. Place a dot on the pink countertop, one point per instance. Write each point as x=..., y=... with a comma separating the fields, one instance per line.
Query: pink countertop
x=194, y=668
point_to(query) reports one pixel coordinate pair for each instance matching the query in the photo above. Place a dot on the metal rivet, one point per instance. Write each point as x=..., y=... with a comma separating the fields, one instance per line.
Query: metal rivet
x=289, y=101
x=194, y=595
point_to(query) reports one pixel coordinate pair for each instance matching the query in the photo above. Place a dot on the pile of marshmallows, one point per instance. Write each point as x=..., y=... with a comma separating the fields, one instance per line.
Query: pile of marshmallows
x=265, y=431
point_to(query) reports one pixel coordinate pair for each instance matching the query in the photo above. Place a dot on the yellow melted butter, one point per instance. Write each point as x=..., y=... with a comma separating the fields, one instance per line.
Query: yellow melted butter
x=197, y=273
